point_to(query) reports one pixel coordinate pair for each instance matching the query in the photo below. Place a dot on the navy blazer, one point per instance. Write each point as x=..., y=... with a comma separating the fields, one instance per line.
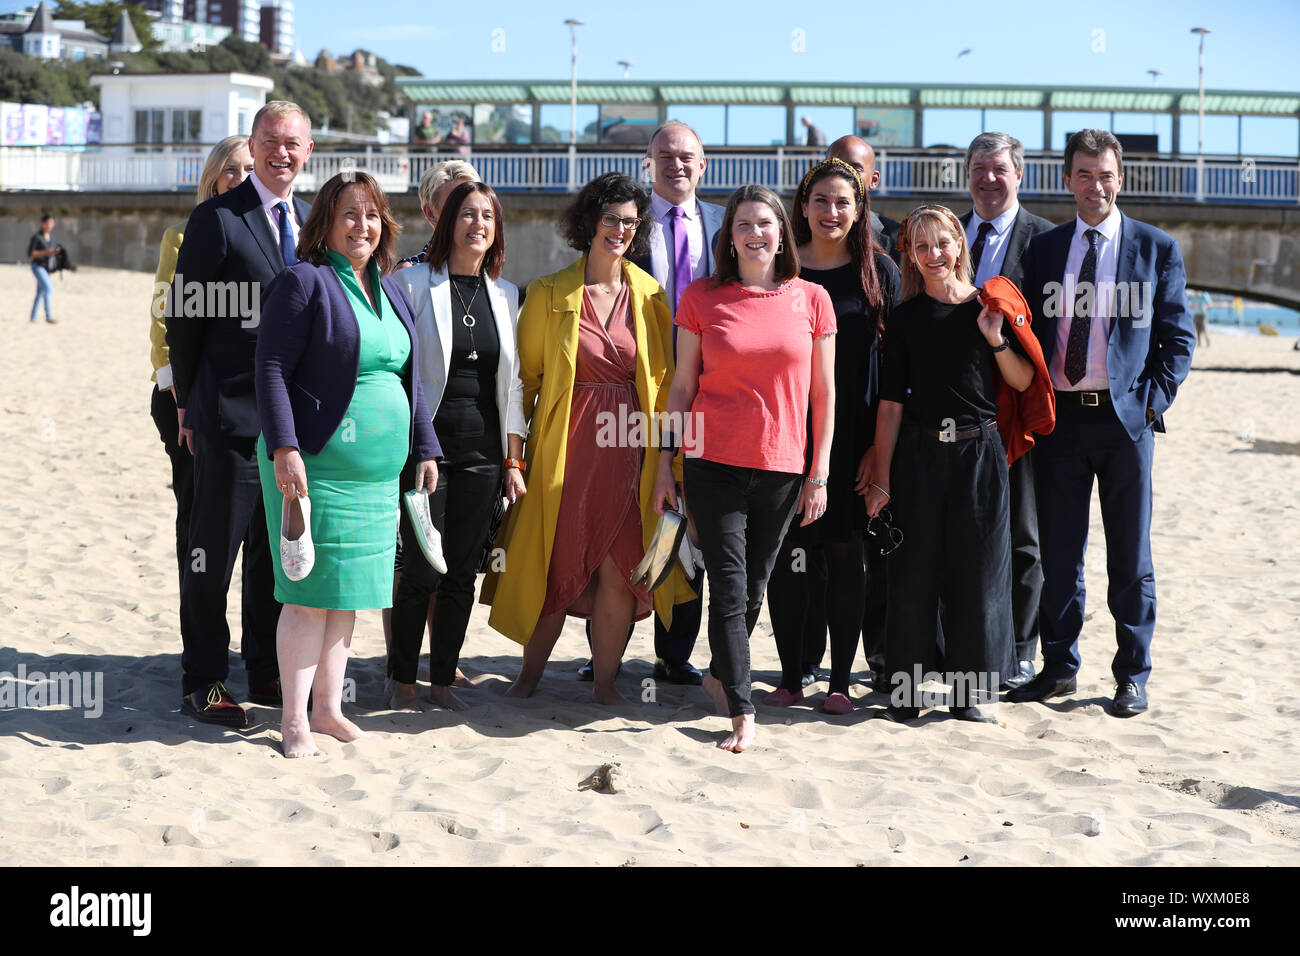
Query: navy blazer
x=232, y=254
x=1023, y=228
x=308, y=354
x=1149, y=352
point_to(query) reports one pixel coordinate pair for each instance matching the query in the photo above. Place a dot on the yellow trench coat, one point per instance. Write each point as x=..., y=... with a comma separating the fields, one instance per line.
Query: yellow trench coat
x=548, y=348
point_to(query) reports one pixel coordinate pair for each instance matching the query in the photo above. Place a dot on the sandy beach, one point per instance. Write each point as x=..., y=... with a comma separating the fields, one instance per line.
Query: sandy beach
x=87, y=569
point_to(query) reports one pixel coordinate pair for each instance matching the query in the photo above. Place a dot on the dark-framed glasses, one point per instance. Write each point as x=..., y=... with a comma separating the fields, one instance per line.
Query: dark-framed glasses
x=611, y=221
x=886, y=539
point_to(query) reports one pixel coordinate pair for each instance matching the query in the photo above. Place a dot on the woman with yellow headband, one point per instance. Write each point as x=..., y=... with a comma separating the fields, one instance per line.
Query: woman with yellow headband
x=819, y=580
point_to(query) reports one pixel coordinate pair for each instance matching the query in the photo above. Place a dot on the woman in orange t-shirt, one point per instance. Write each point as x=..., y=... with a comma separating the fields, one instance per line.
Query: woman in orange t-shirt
x=754, y=352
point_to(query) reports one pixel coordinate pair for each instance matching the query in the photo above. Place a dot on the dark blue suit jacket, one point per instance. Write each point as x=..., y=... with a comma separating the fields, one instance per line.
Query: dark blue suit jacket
x=308, y=354
x=231, y=253
x=1149, y=352
x=1023, y=228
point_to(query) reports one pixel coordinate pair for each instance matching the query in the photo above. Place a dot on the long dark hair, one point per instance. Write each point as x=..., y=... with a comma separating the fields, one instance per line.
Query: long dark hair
x=861, y=240
x=726, y=267
x=440, y=245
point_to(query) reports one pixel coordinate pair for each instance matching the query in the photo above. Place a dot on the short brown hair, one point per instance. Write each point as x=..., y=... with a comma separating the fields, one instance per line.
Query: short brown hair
x=1093, y=142
x=726, y=267
x=312, y=244
x=440, y=245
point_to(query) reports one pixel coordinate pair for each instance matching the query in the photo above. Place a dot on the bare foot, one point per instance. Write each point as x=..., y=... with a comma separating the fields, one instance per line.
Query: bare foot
x=462, y=680
x=742, y=734
x=607, y=694
x=403, y=697
x=443, y=697
x=713, y=687
x=297, y=741
x=525, y=684
x=337, y=726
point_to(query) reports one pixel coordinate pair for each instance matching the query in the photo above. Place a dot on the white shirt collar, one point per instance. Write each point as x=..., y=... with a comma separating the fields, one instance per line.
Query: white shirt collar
x=661, y=207
x=1002, y=223
x=269, y=199
x=1108, y=227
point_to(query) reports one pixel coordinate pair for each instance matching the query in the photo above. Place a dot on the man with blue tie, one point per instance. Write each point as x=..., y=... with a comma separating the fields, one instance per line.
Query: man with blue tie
x=234, y=245
x=684, y=232
x=998, y=230
x=1110, y=310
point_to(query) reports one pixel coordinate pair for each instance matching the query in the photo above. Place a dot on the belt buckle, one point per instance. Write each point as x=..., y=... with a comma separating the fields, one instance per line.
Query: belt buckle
x=946, y=435
x=1084, y=398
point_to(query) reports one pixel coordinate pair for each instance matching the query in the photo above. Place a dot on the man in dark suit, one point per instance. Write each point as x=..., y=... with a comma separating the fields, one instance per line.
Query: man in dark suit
x=234, y=245
x=683, y=237
x=998, y=231
x=857, y=152
x=1110, y=309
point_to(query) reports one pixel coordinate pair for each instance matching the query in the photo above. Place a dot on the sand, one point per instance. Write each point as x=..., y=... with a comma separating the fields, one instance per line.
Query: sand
x=1210, y=776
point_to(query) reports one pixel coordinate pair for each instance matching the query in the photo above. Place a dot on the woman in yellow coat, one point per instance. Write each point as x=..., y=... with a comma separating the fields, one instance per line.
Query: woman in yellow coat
x=595, y=358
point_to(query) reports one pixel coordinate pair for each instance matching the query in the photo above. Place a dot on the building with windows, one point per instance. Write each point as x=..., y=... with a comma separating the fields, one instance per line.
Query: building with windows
x=35, y=33
x=148, y=110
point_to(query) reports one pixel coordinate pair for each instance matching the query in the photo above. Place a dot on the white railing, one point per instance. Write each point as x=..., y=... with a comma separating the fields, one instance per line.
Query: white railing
x=903, y=172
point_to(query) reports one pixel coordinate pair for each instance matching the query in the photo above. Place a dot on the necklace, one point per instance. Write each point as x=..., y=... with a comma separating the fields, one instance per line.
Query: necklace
x=467, y=319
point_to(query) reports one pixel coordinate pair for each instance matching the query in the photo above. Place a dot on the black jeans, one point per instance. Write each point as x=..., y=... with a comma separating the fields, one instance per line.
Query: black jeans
x=804, y=604
x=469, y=475
x=163, y=409
x=741, y=514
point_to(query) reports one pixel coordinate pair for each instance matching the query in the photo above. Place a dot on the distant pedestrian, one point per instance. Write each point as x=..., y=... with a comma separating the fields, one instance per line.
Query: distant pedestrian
x=1201, y=303
x=815, y=135
x=39, y=249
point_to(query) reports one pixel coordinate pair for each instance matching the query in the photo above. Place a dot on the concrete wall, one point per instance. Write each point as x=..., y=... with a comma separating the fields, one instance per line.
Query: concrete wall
x=1252, y=251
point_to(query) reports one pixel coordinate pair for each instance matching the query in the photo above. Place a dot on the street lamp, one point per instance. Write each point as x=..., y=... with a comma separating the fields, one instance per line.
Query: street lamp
x=573, y=25
x=1155, y=81
x=1200, y=115
x=627, y=66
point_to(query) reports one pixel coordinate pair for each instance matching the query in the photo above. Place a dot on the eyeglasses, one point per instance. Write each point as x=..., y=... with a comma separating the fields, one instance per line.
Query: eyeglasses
x=887, y=538
x=611, y=221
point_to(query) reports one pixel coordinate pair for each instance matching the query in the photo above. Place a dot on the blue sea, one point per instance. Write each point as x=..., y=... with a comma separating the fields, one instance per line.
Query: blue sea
x=1286, y=321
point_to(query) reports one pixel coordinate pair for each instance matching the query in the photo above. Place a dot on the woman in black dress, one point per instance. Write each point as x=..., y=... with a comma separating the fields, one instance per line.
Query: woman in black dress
x=819, y=580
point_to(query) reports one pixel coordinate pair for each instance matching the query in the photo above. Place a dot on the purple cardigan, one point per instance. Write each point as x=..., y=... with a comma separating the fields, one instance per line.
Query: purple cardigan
x=308, y=353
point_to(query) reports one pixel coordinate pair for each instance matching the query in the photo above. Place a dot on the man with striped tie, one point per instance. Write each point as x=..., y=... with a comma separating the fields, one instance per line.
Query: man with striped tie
x=234, y=245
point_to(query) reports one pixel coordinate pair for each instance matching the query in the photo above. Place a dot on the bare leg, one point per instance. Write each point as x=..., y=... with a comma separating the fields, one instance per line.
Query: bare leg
x=299, y=637
x=536, y=654
x=615, y=605
x=713, y=687
x=327, y=715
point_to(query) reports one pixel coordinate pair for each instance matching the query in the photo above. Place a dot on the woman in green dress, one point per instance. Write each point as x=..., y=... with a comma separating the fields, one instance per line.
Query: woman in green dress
x=342, y=411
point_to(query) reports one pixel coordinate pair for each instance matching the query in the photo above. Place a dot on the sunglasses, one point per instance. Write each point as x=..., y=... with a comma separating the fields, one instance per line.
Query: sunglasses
x=886, y=538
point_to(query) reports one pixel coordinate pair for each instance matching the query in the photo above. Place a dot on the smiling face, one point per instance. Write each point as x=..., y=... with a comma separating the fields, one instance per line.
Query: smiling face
x=280, y=146
x=614, y=239
x=357, y=226
x=831, y=209
x=1095, y=182
x=238, y=166
x=935, y=251
x=678, y=161
x=475, y=228
x=994, y=183
x=756, y=232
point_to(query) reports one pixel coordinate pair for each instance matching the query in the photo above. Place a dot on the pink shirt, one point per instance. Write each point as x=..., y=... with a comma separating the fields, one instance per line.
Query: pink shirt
x=751, y=409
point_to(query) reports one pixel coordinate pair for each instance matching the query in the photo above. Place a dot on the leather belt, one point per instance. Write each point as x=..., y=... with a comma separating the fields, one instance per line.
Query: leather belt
x=984, y=429
x=1086, y=399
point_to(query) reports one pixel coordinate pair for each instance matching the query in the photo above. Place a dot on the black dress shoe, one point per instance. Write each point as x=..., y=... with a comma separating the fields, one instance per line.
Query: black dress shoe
x=214, y=705
x=1130, y=700
x=1022, y=675
x=1041, y=688
x=267, y=693
x=677, y=673
x=899, y=715
x=587, y=672
x=810, y=677
x=972, y=714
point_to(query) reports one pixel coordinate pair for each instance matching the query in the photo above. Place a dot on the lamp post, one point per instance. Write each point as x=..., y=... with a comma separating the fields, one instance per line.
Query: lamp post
x=1155, y=81
x=573, y=25
x=627, y=67
x=1200, y=115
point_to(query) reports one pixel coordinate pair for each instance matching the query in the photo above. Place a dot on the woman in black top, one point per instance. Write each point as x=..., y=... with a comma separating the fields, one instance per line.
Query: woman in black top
x=465, y=315
x=819, y=581
x=937, y=440
x=39, y=250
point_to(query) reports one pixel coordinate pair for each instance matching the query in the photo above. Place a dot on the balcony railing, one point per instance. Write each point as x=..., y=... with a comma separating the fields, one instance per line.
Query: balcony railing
x=903, y=172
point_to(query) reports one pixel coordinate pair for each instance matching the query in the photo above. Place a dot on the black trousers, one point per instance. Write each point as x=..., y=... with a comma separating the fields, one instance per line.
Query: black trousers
x=227, y=514
x=951, y=503
x=814, y=588
x=1026, y=558
x=674, y=645
x=162, y=407
x=741, y=515
x=875, y=606
x=469, y=475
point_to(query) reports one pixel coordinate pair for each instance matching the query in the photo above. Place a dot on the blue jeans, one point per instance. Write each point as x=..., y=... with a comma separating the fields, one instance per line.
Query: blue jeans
x=43, y=289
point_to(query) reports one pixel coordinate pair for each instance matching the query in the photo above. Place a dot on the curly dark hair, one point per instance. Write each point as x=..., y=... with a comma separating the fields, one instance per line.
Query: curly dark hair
x=578, y=221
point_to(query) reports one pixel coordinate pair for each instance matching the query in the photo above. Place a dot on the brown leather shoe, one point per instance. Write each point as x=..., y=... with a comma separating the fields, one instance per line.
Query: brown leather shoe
x=214, y=705
x=268, y=694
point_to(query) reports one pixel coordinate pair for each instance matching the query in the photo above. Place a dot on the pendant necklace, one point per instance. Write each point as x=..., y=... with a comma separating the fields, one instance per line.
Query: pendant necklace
x=466, y=318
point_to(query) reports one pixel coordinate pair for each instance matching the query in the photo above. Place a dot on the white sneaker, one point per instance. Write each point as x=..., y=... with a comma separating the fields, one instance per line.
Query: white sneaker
x=297, y=557
x=426, y=535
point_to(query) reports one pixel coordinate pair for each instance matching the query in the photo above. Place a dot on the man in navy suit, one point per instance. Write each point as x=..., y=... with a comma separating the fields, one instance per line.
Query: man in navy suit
x=684, y=234
x=998, y=231
x=235, y=244
x=1110, y=309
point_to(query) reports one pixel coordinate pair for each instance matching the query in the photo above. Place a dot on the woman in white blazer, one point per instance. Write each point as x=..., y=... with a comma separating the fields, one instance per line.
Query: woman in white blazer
x=465, y=317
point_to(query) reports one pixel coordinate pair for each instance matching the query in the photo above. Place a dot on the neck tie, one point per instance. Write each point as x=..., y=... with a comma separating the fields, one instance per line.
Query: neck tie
x=977, y=250
x=1085, y=300
x=286, y=235
x=681, y=255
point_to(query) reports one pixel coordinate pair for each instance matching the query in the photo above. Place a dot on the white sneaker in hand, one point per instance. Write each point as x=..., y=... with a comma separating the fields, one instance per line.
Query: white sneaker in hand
x=426, y=535
x=297, y=557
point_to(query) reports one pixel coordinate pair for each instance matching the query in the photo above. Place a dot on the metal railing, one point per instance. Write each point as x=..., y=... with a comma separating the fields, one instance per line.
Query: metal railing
x=903, y=172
